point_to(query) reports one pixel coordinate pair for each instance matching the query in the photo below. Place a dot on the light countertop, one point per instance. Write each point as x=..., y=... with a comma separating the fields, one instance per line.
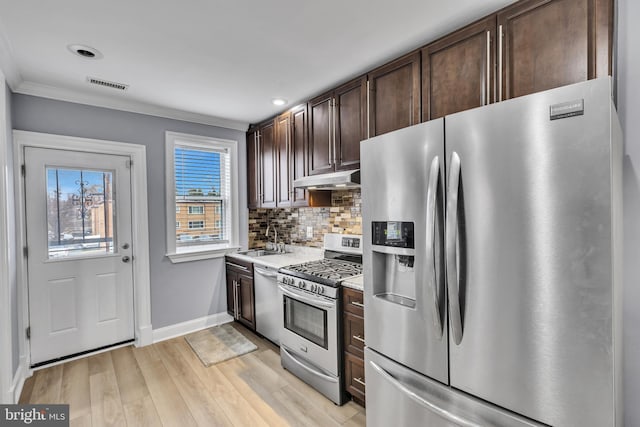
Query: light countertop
x=356, y=282
x=294, y=255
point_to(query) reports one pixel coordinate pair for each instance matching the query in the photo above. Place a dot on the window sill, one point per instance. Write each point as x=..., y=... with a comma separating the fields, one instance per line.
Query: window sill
x=200, y=253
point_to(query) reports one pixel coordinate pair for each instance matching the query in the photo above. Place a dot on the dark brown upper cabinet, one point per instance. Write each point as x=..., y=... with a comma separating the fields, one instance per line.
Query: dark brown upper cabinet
x=268, y=165
x=458, y=70
x=283, y=152
x=298, y=153
x=291, y=141
x=550, y=43
x=337, y=124
x=394, y=95
x=253, y=171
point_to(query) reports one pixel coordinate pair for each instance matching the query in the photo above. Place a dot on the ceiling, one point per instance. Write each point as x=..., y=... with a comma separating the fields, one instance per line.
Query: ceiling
x=213, y=61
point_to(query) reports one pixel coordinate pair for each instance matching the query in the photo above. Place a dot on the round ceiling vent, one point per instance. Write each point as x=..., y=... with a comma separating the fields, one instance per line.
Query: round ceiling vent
x=86, y=52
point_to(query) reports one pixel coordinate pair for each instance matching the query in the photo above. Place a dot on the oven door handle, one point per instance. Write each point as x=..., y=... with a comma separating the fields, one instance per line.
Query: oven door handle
x=306, y=299
x=307, y=368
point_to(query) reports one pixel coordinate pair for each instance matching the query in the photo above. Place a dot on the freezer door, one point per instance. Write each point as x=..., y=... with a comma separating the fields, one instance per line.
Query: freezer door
x=403, y=232
x=529, y=254
x=397, y=396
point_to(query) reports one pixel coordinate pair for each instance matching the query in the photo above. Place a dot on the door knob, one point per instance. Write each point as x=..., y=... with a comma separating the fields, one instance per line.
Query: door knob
x=126, y=258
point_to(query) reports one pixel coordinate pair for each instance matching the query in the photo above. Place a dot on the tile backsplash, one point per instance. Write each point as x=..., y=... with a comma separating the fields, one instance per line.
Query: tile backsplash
x=344, y=216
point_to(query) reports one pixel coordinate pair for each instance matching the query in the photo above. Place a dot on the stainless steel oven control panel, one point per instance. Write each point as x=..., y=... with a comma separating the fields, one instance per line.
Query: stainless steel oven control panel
x=309, y=286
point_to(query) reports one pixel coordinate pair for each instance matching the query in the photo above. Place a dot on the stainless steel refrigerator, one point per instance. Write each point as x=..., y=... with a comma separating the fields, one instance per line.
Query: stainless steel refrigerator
x=492, y=265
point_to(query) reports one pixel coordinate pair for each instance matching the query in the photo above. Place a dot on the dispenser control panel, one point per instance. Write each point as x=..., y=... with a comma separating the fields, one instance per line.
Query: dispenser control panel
x=396, y=234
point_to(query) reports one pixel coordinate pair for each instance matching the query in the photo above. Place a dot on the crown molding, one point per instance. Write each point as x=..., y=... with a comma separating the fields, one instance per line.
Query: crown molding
x=7, y=64
x=61, y=94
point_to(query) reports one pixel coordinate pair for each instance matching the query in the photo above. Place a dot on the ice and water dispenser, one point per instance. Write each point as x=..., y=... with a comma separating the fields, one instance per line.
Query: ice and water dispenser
x=393, y=253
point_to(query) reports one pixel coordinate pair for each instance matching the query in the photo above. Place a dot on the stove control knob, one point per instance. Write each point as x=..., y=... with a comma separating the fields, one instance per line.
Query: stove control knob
x=313, y=288
x=301, y=284
x=320, y=290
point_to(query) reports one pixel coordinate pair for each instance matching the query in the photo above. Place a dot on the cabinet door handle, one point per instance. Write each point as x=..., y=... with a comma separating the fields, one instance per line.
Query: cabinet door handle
x=330, y=131
x=237, y=292
x=500, y=63
x=357, y=304
x=335, y=148
x=235, y=301
x=359, y=381
x=368, y=112
x=488, y=70
x=358, y=338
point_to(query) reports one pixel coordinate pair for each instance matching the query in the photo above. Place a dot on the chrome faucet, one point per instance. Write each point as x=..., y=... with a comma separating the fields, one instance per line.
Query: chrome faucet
x=275, y=245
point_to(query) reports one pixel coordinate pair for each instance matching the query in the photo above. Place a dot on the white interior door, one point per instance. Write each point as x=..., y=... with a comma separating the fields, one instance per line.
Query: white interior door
x=78, y=213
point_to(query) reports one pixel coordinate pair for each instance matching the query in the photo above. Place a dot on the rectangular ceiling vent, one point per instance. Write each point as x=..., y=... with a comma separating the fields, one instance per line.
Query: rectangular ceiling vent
x=107, y=83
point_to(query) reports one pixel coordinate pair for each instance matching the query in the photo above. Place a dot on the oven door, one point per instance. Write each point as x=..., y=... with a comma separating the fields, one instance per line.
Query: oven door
x=309, y=328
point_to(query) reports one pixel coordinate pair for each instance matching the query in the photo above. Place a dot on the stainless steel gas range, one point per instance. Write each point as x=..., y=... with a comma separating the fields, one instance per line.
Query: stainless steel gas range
x=310, y=345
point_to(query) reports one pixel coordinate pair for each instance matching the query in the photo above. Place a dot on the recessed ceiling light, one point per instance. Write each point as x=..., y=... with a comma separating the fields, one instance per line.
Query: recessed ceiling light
x=278, y=101
x=84, y=51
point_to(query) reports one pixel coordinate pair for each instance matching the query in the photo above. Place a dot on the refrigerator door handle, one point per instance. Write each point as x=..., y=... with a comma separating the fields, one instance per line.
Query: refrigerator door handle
x=420, y=401
x=451, y=248
x=432, y=190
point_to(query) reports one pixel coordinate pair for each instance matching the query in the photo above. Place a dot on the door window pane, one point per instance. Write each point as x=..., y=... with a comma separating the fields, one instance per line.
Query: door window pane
x=80, y=214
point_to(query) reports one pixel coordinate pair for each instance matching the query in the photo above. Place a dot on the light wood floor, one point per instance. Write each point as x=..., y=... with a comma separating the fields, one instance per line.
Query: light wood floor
x=166, y=384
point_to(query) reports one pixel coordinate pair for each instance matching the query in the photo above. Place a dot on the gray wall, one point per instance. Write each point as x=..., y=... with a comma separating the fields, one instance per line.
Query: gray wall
x=13, y=284
x=629, y=112
x=179, y=292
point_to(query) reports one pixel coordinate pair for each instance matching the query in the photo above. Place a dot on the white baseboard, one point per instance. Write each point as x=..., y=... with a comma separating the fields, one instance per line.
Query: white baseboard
x=17, y=384
x=179, y=329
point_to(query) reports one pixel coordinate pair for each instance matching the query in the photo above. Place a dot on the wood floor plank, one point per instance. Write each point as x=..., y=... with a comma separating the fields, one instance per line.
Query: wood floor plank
x=235, y=407
x=338, y=413
x=100, y=363
x=169, y=403
x=145, y=355
x=75, y=388
x=358, y=420
x=27, y=389
x=131, y=383
x=308, y=414
x=106, y=407
x=47, y=387
x=259, y=394
x=141, y=413
x=81, y=421
x=204, y=408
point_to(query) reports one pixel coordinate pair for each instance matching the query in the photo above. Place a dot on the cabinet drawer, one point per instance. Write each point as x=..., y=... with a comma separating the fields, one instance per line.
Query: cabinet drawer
x=353, y=301
x=354, y=334
x=239, y=265
x=354, y=376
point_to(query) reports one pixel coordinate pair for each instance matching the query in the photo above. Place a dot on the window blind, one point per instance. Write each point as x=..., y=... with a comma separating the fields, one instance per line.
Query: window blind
x=203, y=184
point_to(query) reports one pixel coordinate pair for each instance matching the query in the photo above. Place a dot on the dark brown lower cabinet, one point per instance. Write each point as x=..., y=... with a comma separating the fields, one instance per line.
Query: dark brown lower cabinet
x=353, y=336
x=240, y=292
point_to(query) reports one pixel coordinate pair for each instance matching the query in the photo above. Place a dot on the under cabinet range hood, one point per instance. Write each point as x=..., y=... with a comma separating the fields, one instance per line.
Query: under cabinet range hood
x=330, y=181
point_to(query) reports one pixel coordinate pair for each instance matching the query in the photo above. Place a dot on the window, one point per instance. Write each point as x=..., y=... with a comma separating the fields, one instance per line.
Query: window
x=201, y=177
x=196, y=210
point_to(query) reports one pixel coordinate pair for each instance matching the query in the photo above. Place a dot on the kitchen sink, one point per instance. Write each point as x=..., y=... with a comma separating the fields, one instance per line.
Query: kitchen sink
x=258, y=253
